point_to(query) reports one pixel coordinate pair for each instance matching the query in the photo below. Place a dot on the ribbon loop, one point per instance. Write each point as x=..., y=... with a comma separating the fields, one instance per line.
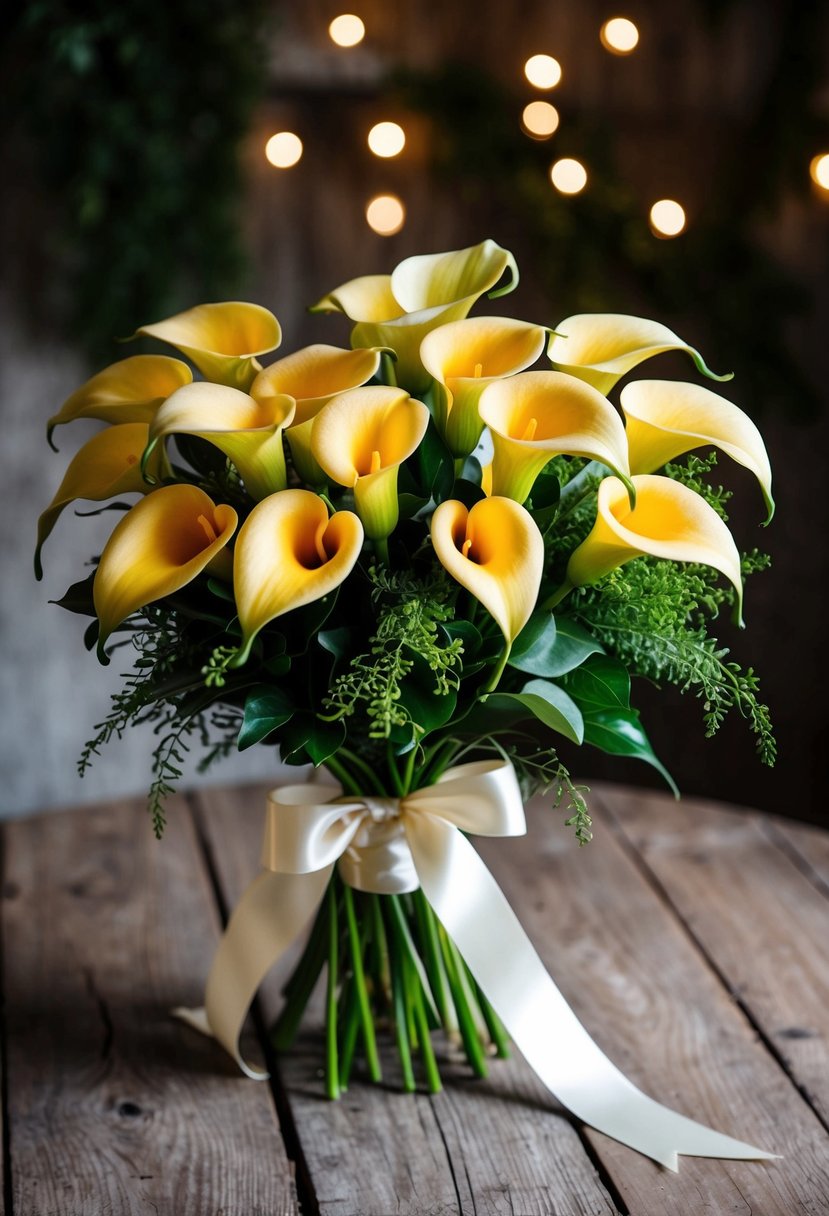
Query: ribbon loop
x=390, y=846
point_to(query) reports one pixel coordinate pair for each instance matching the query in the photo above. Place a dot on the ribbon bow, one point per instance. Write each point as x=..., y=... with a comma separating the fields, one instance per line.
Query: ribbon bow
x=391, y=846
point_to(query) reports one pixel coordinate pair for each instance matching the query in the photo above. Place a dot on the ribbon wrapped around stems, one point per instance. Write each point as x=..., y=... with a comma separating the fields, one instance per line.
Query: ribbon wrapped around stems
x=395, y=845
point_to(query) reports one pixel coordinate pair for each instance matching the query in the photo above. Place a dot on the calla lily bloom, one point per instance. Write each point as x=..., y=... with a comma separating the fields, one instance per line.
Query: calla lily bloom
x=130, y=390
x=537, y=415
x=222, y=340
x=464, y=357
x=107, y=465
x=360, y=439
x=496, y=552
x=289, y=553
x=159, y=546
x=666, y=419
x=399, y=309
x=312, y=376
x=669, y=521
x=248, y=432
x=602, y=347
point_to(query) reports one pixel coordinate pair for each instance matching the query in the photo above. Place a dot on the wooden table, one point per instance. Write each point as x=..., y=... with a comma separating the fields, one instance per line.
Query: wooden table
x=691, y=939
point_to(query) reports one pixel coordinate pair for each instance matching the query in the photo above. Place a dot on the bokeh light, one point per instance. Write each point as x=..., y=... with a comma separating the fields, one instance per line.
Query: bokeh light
x=619, y=35
x=385, y=214
x=540, y=119
x=819, y=170
x=569, y=176
x=283, y=149
x=347, y=30
x=667, y=217
x=386, y=139
x=542, y=71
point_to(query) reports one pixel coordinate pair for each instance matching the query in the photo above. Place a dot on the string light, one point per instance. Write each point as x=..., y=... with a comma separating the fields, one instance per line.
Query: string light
x=385, y=214
x=283, y=149
x=667, y=218
x=542, y=71
x=569, y=176
x=347, y=30
x=619, y=35
x=386, y=139
x=540, y=119
x=819, y=170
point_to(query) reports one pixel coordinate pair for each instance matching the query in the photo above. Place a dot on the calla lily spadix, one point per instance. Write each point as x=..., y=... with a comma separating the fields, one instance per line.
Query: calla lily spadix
x=222, y=340
x=248, y=432
x=160, y=546
x=464, y=357
x=537, y=415
x=602, y=347
x=399, y=309
x=360, y=439
x=496, y=552
x=289, y=552
x=669, y=521
x=107, y=465
x=312, y=376
x=130, y=390
x=666, y=419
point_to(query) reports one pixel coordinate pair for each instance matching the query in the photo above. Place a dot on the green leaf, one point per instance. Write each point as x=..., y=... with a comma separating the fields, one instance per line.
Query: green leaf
x=619, y=732
x=336, y=641
x=266, y=709
x=601, y=682
x=466, y=631
x=417, y=694
x=302, y=625
x=546, y=702
x=467, y=492
x=430, y=469
x=549, y=647
x=306, y=739
x=78, y=597
x=546, y=492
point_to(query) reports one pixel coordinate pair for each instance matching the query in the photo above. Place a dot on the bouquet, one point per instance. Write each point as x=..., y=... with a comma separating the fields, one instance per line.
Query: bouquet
x=428, y=564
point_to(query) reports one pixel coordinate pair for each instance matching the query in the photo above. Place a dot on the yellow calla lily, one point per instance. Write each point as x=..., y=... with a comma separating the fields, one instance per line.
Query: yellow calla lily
x=130, y=390
x=248, y=432
x=669, y=521
x=399, y=309
x=159, y=546
x=496, y=552
x=312, y=376
x=222, y=340
x=602, y=347
x=465, y=356
x=666, y=419
x=107, y=465
x=289, y=553
x=536, y=415
x=360, y=439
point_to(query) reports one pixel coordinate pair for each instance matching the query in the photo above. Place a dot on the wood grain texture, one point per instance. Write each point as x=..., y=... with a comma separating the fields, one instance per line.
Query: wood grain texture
x=756, y=915
x=491, y=1148
x=115, y=1107
x=649, y=998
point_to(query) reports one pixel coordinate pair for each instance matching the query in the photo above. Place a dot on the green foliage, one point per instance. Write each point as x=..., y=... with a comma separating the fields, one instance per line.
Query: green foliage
x=138, y=112
x=692, y=472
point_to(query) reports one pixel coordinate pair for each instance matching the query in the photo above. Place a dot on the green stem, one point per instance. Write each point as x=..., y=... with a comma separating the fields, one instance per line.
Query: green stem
x=366, y=1020
x=557, y=596
x=466, y=1022
x=381, y=545
x=494, y=1024
x=430, y=1064
x=332, y=1082
x=367, y=771
x=343, y=776
x=499, y=670
x=428, y=933
x=389, y=370
x=349, y=1018
x=408, y=772
x=301, y=984
x=393, y=772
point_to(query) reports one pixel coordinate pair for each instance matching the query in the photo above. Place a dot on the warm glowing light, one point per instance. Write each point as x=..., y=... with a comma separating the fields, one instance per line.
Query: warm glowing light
x=346, y=30
x=542, y=71
x=619, y=35
x=568, y=176
x=667, y=217
x=283, y=149
x=386, y=214
x=386, y=139
x=540, y=119
x=819, y=169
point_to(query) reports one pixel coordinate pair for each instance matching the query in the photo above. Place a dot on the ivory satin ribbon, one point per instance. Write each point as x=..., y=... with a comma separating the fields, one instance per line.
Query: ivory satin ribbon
x=391, y=846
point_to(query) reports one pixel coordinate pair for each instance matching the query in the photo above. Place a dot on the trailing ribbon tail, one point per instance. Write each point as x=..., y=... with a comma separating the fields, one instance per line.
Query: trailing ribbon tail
x=476, y=914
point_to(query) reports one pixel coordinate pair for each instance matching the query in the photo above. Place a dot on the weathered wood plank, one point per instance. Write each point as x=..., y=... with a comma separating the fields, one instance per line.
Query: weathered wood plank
x=114, y=1106
x=808, y=846
x=753, y=911
x=489, y=1148
x=627, y=966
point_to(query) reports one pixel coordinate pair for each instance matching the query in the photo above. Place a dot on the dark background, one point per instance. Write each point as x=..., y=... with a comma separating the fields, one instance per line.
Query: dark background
x=136, y=185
